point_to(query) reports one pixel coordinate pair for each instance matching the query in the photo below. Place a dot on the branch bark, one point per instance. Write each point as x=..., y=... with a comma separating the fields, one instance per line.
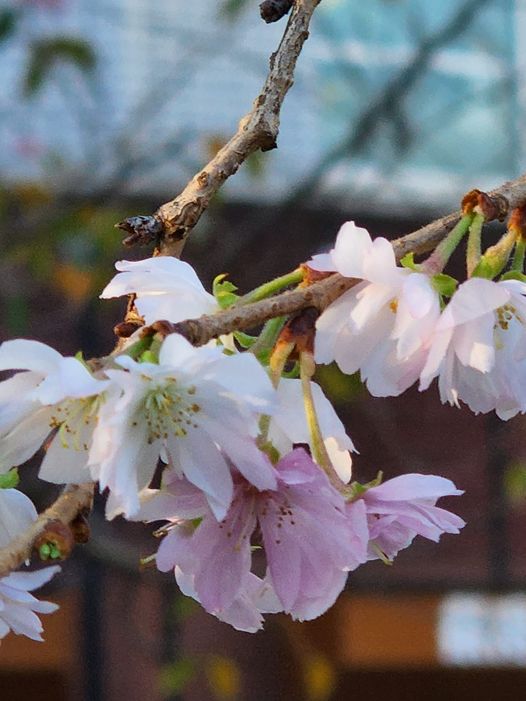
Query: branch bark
x=70, y=503
x=199, y=331
x=258, y=130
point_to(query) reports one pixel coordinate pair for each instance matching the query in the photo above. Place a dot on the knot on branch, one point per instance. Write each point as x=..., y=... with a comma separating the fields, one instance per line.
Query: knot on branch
x=274, y=10
x=142, y=230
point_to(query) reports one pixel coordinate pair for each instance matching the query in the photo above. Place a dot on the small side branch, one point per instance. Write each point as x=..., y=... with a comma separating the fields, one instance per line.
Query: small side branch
x=258, y=130
x=73, y=501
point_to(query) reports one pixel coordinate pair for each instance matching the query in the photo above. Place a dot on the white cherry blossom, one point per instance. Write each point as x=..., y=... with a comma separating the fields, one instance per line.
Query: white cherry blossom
x=478, y=350
x=381, y=326
x=54, y=392
x=19, y=608
x=165, y=288
x=196, y=409
x=17, y=513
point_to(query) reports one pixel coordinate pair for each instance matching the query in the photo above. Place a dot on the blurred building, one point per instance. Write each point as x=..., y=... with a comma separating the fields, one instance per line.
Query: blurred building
x=397, y=106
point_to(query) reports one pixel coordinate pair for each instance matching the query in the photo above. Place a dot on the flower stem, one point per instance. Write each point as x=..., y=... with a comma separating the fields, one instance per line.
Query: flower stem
x=437, y=261
x=271, y=287
x=495, y=257
x=278, y=360
x=277, y=363
x=268, y=337
x=319, y=451
x=474, y=246
x=518, y=255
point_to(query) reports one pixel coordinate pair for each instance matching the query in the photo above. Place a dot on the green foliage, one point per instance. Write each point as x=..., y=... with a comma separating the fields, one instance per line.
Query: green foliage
x=245, y=340
x=10, y=479
x=46, y=53
x=408, y=261
x=224, y=291
x=444, y=284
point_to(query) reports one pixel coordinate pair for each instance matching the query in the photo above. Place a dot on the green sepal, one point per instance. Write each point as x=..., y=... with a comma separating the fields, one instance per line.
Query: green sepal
x=267, y=447
x=137, y=349
x=148, y=357
x=514, y=275
x=264, y=356
x=408, y=261
x=10, y=479
x=487, y=268
x=151, y=354
x=245, y=340
x=444, y=284
x=79, y=355
x=224, y=291
x=356, y=490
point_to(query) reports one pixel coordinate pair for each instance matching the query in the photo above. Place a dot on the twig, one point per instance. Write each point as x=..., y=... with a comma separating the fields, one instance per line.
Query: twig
x=172, y=222
x=199, y=331
x=70, y=503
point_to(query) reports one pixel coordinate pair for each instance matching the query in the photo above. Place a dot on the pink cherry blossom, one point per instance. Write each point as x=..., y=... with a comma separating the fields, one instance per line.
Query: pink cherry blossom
x=302, y=527
x=402, y=508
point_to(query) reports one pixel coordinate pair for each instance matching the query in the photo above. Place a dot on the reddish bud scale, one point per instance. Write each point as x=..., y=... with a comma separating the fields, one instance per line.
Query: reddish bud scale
x=491, y=206
x=311, y=276
x=517, y=221
x=301, y=330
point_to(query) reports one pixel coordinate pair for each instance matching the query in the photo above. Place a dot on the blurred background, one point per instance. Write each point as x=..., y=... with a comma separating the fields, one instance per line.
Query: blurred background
x=107, y=107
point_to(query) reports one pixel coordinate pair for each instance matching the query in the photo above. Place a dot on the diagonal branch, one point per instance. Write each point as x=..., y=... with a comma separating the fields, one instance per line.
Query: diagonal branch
x=258, y=130
x=199, y=331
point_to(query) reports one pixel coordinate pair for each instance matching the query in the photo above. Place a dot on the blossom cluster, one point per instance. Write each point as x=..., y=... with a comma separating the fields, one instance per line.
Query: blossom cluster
x=396, y=328
x=258, y=510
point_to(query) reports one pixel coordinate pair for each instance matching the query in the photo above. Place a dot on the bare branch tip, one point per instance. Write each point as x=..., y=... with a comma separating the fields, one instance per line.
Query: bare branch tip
x=143, y=230
x=274, y=10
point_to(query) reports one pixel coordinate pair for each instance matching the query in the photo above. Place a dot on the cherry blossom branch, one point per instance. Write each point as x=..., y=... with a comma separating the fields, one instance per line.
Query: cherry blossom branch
x=58, y=517
x=319, y=295
x=258, y=130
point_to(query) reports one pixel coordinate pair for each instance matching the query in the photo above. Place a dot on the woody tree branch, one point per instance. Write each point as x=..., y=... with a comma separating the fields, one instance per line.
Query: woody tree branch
x=199, y=331
x=56, y=520
x=258, y=130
